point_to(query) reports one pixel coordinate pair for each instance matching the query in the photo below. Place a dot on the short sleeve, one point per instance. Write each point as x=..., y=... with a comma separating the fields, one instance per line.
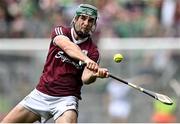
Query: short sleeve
x=56, y=31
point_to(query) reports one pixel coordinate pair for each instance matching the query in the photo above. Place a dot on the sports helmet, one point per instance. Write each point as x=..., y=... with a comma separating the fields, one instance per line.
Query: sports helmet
x=87, y=9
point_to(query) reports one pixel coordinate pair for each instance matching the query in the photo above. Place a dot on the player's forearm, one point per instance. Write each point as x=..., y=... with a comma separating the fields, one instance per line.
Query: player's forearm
x=74, y=51
x=88, y=78
x=70, y=48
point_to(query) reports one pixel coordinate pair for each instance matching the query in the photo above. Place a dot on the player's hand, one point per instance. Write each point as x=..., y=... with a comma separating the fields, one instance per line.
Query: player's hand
x=91, y=65
x=102, y=73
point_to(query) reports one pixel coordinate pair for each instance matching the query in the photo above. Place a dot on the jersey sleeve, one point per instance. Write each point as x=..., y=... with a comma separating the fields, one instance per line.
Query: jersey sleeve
x=59, y=30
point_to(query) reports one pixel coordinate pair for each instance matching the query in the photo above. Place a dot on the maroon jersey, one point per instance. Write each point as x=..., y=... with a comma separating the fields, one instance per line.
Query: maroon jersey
x=61, y=75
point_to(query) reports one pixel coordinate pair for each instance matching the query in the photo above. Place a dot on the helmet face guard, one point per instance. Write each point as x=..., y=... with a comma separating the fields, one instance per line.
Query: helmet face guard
x=87, y=10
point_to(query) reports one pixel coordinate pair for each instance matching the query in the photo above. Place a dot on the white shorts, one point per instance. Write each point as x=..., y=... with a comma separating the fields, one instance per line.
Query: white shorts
x=49, y=106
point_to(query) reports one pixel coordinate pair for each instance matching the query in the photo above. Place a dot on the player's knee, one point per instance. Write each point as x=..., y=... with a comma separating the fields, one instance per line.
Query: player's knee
x=69, y=116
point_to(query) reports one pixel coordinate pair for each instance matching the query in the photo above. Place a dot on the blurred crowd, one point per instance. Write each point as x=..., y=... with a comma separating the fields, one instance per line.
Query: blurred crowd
x=117, y=18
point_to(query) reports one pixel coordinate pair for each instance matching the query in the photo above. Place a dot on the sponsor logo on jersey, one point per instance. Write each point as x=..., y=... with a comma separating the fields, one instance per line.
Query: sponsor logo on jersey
x=66, y=59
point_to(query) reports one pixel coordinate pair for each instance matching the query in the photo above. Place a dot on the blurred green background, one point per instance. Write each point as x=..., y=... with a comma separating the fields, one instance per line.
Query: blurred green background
x=145, y=32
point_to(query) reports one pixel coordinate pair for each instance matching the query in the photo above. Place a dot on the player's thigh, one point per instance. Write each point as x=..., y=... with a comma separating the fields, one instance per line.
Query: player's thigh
x=20, y=114
x=69, y=116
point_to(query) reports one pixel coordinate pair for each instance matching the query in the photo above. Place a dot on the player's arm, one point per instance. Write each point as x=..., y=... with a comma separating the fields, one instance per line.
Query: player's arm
x=74, y=51
x=89, y=76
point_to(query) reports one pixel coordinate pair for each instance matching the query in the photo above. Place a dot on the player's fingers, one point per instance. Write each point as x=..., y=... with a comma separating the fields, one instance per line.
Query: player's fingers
x=92, y=66
x=103, y=73
x=106, y=73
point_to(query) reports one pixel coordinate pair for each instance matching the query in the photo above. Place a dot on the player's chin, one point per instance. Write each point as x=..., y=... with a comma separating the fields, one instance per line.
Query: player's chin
x=85, y=31
x=83, y=34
